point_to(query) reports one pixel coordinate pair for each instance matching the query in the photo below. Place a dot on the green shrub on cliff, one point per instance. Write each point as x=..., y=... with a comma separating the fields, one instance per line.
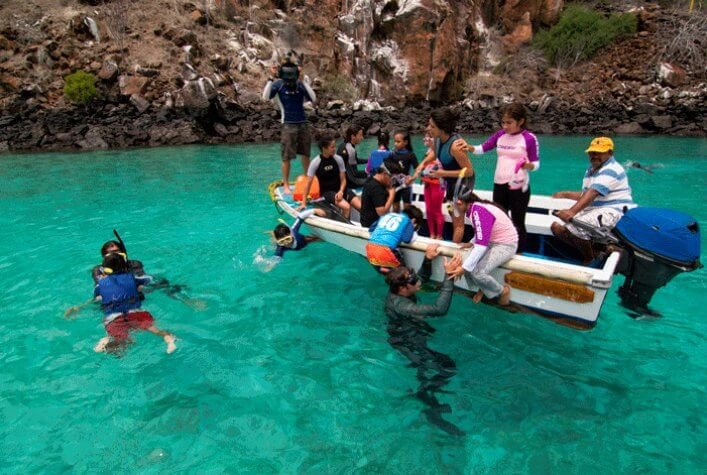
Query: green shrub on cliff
x=581, y=32
x=80, y=87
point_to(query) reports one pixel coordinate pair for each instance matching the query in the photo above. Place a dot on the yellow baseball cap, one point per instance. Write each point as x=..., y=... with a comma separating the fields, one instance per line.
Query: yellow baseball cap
x=601, y=145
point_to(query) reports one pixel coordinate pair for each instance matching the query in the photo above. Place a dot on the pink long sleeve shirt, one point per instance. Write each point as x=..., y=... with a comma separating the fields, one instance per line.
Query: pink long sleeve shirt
x=491, y=225
x=511, y=149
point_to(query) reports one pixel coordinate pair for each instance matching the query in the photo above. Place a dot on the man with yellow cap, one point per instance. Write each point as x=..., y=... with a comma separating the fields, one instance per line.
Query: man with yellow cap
x=605, y=196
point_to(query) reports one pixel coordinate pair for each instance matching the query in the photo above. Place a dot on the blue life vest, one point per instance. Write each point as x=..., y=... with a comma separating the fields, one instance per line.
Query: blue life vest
x=118, y=293
x=376, y=159
x=392, y=229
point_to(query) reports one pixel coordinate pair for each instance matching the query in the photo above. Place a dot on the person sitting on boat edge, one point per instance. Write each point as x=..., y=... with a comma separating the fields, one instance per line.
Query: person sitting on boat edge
x=495, y=242
x=288, y=238
x=386, y=235
x=605, y=196
x=117, y=291
x=378, y=193
x=330, y=171
x=408, y=331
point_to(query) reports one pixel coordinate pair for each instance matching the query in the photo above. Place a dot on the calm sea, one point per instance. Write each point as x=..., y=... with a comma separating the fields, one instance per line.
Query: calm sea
x=288, y=370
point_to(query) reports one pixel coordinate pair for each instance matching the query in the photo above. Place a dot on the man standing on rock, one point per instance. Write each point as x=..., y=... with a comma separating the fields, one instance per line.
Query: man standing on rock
x=290, y=95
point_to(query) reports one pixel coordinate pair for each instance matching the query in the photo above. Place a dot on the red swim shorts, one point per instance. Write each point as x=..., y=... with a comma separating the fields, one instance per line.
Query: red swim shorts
x=119, y=327
x=382, y=256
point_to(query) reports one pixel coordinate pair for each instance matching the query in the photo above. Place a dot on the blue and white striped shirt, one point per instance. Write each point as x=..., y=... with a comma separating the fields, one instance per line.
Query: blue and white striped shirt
x=611, y=182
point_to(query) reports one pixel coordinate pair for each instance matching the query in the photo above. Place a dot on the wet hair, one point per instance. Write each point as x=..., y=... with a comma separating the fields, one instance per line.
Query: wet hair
x=281, y=231
x=414, y=214
x=384, y=139
x=351, y=131
x=445, y=119
x=325, y=141
x=397, y=278
x=474, y=198
x=116, y=262
x=406, y=138
x=104, y=247
x=517, y=112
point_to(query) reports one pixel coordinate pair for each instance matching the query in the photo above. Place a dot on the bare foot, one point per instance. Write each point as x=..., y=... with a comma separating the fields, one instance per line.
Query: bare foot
x=171, y=346
x=477, y=296
x=286, y=190
x=505, y=297
x=101, y=345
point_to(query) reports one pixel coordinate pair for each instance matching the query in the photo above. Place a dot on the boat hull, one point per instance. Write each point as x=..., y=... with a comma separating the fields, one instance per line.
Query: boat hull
x=567, y=293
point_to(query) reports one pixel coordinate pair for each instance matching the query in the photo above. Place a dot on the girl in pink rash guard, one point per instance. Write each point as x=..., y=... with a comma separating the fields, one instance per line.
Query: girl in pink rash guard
x=495, y=242
x=518, y=153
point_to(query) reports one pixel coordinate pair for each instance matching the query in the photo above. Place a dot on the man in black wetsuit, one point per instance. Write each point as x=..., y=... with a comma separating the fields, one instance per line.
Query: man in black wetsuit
x=408, y=332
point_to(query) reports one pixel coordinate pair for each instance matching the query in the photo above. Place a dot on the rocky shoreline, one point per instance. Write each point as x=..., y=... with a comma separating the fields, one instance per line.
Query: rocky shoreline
x=223, y=121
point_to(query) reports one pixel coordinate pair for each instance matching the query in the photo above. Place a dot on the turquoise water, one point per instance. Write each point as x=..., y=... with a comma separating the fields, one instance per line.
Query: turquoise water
x=289, y=371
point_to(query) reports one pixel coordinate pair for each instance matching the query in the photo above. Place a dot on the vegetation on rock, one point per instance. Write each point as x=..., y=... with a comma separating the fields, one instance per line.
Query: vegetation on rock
x=581, y=32
x=80, y=87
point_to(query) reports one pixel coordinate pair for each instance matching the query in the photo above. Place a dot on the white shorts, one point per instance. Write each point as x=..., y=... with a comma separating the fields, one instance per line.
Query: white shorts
x=609, y=218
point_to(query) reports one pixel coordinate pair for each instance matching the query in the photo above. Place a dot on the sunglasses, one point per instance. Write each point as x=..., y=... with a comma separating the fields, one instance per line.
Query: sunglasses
x=413, y=278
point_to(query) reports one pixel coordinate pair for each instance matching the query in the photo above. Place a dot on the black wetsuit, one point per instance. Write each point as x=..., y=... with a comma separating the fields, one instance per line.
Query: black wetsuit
x=408, y=333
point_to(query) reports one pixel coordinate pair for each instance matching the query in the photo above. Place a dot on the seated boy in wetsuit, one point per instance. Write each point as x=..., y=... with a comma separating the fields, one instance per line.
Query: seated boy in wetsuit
x=118, y=291
x=289, y=238
x=386, y=235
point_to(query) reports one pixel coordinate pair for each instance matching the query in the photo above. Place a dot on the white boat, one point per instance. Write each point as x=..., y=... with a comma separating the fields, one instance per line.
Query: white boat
x=654, y=245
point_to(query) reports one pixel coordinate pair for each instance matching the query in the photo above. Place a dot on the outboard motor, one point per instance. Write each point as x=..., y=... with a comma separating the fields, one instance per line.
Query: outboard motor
x=658, y=244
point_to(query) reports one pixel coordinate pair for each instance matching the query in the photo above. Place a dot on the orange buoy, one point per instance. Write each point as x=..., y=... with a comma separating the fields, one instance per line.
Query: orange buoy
x=300, y=184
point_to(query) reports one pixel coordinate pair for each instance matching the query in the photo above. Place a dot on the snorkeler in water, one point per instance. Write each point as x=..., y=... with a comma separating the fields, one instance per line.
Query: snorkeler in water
x=137, y=269
x=408, y=332
x=646, y=168
x=288, y=238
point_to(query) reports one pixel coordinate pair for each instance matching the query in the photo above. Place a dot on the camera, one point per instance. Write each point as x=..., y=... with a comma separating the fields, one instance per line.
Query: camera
x=289, y=71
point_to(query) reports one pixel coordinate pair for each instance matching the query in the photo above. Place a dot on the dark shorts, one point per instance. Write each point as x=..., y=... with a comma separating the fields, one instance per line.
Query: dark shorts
x=451, y=185
x=295, y=140
x=120, y=327
x=405, y=194
x=330, y=196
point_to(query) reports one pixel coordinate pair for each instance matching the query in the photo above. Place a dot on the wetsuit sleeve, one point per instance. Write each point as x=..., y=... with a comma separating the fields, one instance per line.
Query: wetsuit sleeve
x=492, y=141
x=309, y=94
x=532, y=148
x=409, y=308
x=340, y=163
x=313, y=166
x=354, y=178
x=279, y=251
x=425, y=270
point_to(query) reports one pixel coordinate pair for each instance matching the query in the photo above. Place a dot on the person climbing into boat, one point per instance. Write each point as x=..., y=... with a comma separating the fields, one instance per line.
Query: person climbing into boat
x=455, y=163
x=290, y=94
x=117, y=290
x=288, y=238
x=495, y=242
x=408, y=331
x=378, y=193
x=605, y=196
x=386, y=235
x=433, y=190
x=518, y=154
x=377, y=156
x=331, y=174
x=407, y=162
x=355, y=178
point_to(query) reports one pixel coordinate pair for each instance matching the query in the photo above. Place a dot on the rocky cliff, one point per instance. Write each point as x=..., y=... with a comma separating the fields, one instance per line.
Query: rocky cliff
x=175, y=71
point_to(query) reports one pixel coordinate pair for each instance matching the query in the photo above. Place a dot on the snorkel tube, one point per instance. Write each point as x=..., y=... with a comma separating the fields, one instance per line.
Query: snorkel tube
x=457, y=189
x=122, y=244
